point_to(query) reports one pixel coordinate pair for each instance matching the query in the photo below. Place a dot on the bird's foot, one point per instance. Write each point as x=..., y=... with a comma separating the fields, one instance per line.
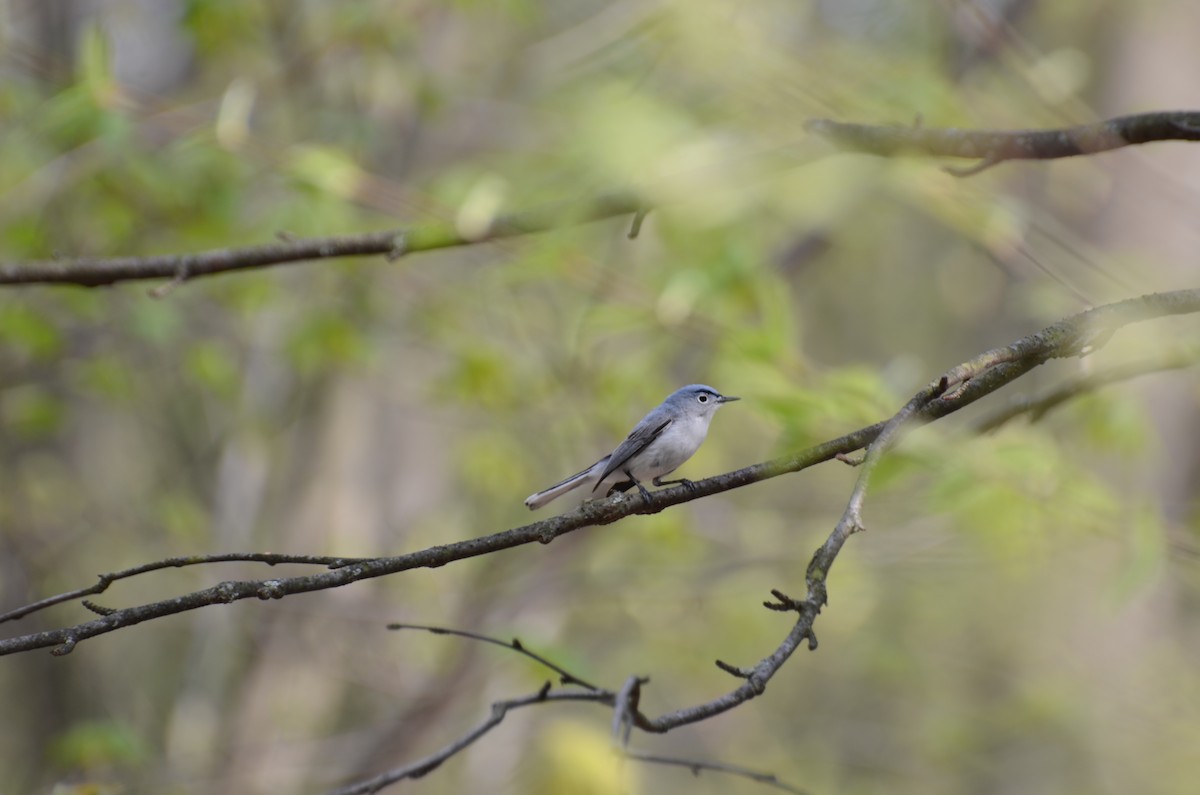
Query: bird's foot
x=687, y=484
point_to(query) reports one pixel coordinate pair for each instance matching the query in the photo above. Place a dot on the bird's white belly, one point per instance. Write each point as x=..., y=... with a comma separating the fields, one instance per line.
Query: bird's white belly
x=668, y=452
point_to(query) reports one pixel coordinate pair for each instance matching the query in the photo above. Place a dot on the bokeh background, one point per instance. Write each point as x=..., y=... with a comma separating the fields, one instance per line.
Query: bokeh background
x=1022, y=615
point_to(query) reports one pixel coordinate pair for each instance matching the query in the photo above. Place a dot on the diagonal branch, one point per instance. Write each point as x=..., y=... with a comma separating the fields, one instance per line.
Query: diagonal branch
x=959, y=387
x=991, y=147
x=498, y=712
x=395, y=243
x=565, y=676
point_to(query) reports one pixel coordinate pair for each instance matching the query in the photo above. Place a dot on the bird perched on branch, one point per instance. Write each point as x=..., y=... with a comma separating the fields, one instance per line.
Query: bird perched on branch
x=658, y=445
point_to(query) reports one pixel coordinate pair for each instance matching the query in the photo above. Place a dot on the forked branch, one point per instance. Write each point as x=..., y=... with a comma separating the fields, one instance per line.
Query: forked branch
x=623, y=701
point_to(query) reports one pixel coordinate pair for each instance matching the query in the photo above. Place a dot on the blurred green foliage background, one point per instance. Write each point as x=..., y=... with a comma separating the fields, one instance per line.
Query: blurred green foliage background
x=1022, y=616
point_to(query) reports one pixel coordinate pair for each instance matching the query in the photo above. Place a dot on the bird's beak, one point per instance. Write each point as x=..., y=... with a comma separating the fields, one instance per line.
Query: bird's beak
x=727, y=399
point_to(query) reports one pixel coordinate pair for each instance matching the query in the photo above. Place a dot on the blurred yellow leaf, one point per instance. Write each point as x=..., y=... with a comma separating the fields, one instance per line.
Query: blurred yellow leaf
x=579, y=758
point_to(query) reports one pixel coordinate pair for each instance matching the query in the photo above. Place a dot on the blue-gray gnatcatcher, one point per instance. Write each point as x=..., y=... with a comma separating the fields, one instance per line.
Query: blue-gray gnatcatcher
x=658, y=445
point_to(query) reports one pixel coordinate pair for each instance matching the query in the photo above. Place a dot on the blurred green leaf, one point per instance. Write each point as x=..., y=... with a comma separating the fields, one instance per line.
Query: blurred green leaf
x=30, y=411
x=95, y=69
x=1016, y=490
x=483, y=375
x=156, y=322
x=325, y=168
x=182, y=517
x=486, y=460
x=93, y=744
x=106, y=376
x=1146, y=552
x=30, y=333
x=219, y=28
x=213, y=367
x=1112, y=421
x=325, y=339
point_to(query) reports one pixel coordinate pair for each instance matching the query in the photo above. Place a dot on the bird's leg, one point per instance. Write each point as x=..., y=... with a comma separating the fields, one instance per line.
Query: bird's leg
x=682, y=481
x=641, y=489
x=617, y=488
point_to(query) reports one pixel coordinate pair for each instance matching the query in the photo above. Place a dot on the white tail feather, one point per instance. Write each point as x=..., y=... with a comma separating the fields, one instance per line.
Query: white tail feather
x=537, y=500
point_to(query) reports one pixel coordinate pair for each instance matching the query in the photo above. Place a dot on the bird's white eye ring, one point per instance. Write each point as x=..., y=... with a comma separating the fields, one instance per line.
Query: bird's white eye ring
x=702, y=398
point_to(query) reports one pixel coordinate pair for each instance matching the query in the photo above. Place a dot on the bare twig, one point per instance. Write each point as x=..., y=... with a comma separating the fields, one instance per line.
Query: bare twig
x=565, y=676
x=991, y=147
x=697, y=766
x=970, y=171
x=165, y=289
x=971, y=381
x=733, y=670
x=96, y=272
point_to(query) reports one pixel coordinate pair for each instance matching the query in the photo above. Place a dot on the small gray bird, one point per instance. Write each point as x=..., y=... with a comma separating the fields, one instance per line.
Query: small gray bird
x=658, y=445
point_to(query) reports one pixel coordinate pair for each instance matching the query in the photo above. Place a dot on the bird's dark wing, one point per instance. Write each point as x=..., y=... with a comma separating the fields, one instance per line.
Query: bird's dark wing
x=637, y=441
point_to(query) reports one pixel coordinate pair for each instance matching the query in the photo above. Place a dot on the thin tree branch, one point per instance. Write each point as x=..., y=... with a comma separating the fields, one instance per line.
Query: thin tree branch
x=395, y=243
x=991, y=147
x=1040, y=405
x=696, y=766
x=959, y=387
x=499, y=710
x=105, y=580
x=565, y=676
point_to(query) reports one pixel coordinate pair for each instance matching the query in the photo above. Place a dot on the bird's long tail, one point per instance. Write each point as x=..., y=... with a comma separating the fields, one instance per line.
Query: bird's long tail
x=535, y=501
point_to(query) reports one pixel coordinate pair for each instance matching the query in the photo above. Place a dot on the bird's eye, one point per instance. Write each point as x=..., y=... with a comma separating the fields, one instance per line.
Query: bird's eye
x=702, y=398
